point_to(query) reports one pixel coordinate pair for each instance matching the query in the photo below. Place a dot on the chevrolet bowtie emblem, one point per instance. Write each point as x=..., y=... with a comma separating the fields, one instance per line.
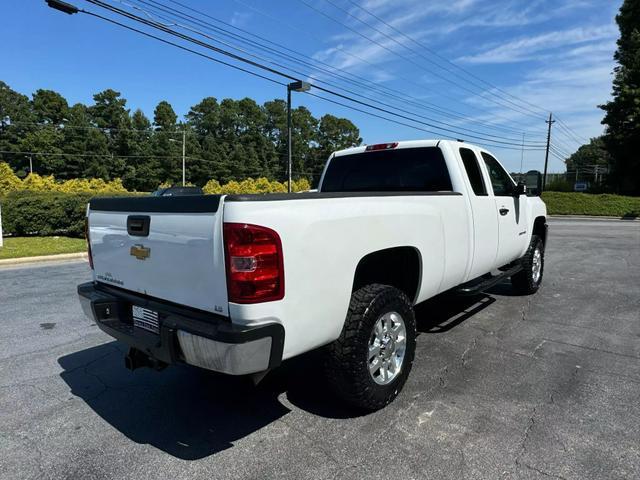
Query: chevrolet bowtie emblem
x=140, y=252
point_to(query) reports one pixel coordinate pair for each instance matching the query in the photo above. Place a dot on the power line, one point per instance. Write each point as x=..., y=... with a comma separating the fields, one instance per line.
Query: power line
x=99, y=155
x=182, y=47
x=451, y=128
x=407, y=124
x=364, y=60
x=558, y=157
x=255, y=64
x=92, y=127
x=580, y=140
x=560, y=149
x=360, y=81
x=404, y=57
x=444, y=59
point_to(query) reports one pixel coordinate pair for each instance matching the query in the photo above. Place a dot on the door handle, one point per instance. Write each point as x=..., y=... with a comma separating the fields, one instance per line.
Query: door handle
x=503, y=211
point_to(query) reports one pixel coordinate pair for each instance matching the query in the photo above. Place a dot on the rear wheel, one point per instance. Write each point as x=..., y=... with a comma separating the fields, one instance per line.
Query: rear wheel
x=528, y=280
x=369, y=363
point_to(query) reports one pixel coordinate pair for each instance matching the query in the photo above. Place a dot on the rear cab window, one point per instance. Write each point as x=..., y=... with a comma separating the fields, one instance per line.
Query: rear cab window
x=420, y=169
x=472, y=168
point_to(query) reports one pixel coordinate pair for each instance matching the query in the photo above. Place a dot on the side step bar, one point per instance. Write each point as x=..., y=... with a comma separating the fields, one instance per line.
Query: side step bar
x=486, y=282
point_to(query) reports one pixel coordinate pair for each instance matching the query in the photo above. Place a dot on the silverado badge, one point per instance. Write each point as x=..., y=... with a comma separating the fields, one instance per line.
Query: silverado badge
x=140, y=252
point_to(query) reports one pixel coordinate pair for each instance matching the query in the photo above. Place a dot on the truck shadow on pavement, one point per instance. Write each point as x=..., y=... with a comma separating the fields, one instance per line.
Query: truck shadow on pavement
x=191, y=413
x=448, y=310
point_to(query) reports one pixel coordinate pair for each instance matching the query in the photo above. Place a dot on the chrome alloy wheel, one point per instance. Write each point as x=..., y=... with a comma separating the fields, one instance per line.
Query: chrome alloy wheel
x=387, y=346
x=536, y=266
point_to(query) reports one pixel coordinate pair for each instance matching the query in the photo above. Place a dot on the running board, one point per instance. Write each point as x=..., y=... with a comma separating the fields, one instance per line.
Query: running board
x=474, y=287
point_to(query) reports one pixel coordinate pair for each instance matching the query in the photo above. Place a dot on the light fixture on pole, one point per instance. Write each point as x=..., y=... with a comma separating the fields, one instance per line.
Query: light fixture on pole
x=63, y=7
x=298, y=86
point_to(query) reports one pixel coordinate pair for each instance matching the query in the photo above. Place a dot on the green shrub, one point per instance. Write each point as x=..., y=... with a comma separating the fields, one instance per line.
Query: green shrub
x=560, y=185
x=560, y=203
x=44, y=213
x=8, y=180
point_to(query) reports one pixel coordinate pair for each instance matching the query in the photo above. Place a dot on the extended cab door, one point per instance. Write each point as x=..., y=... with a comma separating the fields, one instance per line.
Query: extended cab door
x=511, y=211
x=485, y=218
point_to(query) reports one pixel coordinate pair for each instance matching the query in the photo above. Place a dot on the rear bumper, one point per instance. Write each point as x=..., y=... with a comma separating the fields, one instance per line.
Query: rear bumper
x=185, y=336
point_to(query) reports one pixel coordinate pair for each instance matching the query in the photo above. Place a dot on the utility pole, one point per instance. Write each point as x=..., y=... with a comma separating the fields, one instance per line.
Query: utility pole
x=522, y=153
x=546, y=155
x=184, y=147
x=31, y=163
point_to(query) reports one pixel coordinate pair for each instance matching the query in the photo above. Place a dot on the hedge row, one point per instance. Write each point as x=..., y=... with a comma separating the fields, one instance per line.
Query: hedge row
x=44, y=213
x=561, y=203
x=26, y=212
x=9, y=182
x=257, y=185
x=35, y=213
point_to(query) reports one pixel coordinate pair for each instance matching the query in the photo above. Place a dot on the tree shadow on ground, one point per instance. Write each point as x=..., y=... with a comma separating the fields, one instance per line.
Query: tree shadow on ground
x=191, y=413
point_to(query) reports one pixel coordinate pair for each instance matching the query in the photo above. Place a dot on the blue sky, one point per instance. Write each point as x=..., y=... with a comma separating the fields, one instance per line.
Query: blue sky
x=554, y=54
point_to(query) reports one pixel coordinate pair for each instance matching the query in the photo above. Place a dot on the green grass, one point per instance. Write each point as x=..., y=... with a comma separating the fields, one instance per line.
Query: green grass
x=16, y=247
x=561, y=203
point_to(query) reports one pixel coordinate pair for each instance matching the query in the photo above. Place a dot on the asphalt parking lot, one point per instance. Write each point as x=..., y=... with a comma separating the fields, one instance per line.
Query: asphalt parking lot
x=546, y=386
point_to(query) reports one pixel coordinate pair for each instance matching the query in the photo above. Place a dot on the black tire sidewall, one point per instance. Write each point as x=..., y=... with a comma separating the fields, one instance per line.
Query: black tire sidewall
x=523, y=281
x=391, y=300
x=350, y=372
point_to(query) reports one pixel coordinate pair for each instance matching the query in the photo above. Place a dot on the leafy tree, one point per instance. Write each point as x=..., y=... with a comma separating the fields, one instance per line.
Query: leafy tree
x=45, y=142
x=592, y=153
x=108, y=109
x=622, y=118
x=76, y=132
x=164, y=118
x=16, y=117
x=49, y=107
x=225, y=141
x=204, y=117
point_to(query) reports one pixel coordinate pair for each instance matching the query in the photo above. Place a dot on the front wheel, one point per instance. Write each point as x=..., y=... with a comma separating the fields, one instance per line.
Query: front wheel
x=369, y=363
x=528, y=280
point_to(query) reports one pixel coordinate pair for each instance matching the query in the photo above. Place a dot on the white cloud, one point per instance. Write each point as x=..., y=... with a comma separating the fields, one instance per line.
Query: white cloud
x=527, y=48
x=568, y=69
x=240, y=19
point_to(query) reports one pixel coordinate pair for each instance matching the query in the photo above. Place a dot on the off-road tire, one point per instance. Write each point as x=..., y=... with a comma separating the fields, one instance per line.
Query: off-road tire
x=346, y=359
x=524, y=282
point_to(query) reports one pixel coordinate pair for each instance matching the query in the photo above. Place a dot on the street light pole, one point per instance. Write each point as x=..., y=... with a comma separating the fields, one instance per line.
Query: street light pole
x=289, y=160
x=546, y=155
x=298, y=86
x=184, y=144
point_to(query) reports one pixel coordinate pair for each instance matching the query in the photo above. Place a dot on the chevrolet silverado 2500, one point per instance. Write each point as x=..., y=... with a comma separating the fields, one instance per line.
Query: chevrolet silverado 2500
x=239, y=283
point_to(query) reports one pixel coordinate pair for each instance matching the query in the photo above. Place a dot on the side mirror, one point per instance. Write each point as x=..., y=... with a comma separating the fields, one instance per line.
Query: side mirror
x=534, y=182
x=520, y=189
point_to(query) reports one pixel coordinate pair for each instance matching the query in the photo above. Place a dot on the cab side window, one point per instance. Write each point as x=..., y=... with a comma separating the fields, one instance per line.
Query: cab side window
x=470, y=162
x=500, y=179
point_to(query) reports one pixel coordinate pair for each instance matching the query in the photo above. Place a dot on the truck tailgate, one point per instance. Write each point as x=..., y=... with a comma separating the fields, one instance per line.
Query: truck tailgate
x=169, y=248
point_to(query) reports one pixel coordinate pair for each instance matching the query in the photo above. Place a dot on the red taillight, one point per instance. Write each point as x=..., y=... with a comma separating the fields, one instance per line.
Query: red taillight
x=86, y=236
x=255, y=271
x=381, y=146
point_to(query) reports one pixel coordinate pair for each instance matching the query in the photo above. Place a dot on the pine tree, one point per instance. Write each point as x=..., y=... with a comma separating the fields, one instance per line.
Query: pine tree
x=622, y=117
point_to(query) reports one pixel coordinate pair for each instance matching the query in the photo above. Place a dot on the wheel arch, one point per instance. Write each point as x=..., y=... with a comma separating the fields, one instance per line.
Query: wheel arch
x=399, y=267
x=540, y=228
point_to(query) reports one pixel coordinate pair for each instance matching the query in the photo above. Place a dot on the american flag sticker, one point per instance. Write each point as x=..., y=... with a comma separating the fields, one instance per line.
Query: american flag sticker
x=145, y=318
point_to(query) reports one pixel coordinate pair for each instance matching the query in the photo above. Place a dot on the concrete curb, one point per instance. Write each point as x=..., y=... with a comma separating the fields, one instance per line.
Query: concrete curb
x=43, y=258
x=593, y=217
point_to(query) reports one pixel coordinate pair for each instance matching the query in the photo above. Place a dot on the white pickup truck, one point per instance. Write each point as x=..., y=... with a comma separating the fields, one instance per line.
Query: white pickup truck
x=239, y=283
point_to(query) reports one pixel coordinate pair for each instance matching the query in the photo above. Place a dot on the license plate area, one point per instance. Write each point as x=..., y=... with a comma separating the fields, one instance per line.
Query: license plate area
x=145, y=319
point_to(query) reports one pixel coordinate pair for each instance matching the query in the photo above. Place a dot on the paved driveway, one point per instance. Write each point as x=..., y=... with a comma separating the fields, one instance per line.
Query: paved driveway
x=546, y=386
